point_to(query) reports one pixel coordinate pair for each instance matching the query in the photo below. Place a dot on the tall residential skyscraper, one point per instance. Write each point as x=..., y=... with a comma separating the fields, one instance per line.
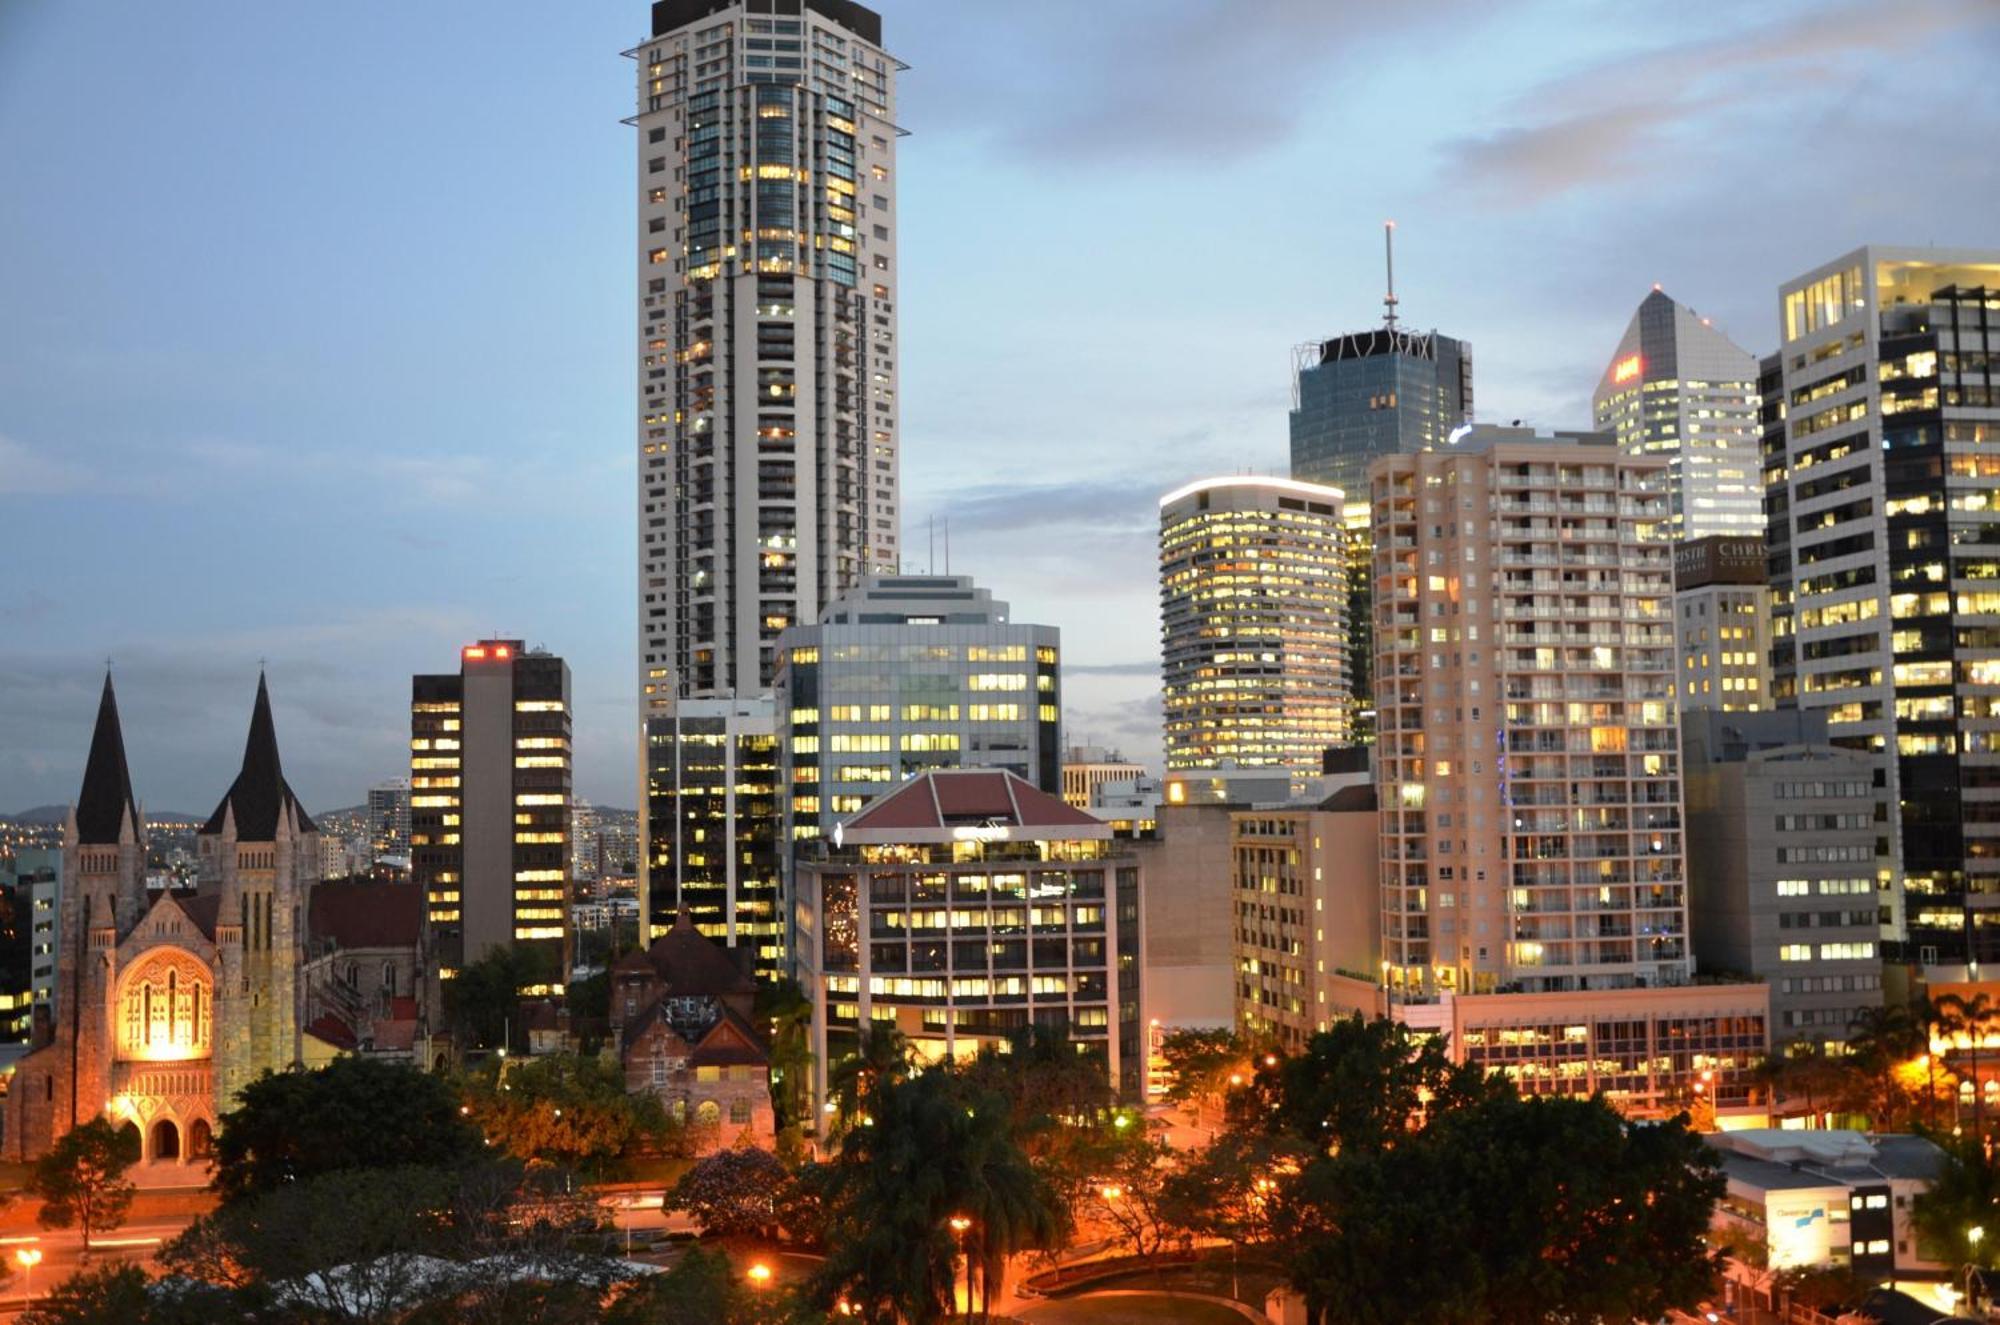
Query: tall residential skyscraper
x=1881, y=487
x=389, y=819
x=1527, y=758
x=1374, y=393
x=767, y=330
x=1678, y=388
x=905, y=674
x=1253, y=623
x=490, y=806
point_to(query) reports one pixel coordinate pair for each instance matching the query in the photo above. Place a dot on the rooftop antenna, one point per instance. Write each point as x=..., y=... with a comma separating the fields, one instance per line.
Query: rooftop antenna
x=931, y=568
x=1389, y=259
x=947, y=545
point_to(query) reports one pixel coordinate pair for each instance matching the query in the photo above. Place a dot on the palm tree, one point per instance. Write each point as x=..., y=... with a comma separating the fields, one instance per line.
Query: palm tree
x=1972, y=1016
x=1879, y=1039
x=882, y=1058
x=784, y=1008
x=1801, y=1067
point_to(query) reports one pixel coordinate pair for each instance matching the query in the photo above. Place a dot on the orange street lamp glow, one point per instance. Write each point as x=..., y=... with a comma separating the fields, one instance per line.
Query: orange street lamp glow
x=760, y=1274
x=1112, y=1192
x=959, y=1223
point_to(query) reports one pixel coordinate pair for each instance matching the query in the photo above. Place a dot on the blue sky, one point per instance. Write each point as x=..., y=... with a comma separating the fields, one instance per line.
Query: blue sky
x=315, y=320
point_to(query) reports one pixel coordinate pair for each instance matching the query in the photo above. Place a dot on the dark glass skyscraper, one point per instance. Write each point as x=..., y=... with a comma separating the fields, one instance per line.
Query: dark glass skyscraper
x=1374, y=393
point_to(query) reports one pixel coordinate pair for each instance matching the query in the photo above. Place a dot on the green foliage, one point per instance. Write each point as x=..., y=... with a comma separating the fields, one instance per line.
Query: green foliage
x=935, y=1146
x=1358, y=1086
x=348, y=1217
x=1059, y=1109
x=108, y=1295
x=482, y=1003
x=568, y=1110
x=1200, y=1063
x=734, y=1192
x=700, y=1289
x=1965, y=1195
x=354, y=1113
x=1559, y=1210
x=882, y=1060
x=1129, y=1194
x=82, y=1179
x=786, y=1012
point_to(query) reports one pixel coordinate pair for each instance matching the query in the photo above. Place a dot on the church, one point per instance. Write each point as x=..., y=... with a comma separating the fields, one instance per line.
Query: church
x=168, y=1004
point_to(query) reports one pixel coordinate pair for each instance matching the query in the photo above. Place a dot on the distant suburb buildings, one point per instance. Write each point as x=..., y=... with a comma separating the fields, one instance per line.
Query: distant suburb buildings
x=490, y=804
x=1678, y=389
x=767, y=404
x=1253, y=611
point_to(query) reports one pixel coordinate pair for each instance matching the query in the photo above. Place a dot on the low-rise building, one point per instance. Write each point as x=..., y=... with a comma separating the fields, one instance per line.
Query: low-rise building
x=683, y=1009
x=1828, y=1198
x=963, y=907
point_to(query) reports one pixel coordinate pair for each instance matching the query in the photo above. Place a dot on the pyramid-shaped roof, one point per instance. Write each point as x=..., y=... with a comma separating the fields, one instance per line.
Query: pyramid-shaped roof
x=106, y=798
x=260, y=796
x=691, y=963
x=944, y=805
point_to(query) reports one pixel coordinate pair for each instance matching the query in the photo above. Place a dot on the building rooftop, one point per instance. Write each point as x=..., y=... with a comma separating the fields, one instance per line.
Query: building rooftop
x=1775, y=1159
x=970, y=804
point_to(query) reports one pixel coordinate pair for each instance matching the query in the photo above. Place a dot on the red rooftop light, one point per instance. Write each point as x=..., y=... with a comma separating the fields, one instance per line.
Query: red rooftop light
x=502, y=652
x=474, y=653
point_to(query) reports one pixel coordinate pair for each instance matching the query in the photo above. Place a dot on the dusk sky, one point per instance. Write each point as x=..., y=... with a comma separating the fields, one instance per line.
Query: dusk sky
x=316, y=320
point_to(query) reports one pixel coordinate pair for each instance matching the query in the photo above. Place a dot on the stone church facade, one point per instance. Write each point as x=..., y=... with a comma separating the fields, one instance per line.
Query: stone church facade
x=167, y=1006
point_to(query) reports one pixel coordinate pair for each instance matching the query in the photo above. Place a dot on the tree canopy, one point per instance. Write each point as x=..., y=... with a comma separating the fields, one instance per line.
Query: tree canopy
x=354, y=1113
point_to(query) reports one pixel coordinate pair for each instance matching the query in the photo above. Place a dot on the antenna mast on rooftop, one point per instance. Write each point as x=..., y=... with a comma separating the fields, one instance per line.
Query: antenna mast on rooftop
x=1389, y=259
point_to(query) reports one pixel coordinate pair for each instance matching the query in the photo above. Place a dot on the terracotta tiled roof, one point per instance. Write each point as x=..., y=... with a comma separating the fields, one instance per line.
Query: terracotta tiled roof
x=363, y=914
x=334, y=1031
x=731, y=1042
x=939, y=801
x=692, y=963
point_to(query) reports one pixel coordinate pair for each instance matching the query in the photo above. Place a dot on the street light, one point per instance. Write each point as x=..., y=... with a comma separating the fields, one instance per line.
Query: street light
x=29, y=1257
x=760, y=1275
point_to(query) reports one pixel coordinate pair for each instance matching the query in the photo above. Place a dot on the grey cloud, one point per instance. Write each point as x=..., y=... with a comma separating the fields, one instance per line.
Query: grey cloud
x=1149, y=667
x=1601, y=125
x=1174, y=80
x=28, y=472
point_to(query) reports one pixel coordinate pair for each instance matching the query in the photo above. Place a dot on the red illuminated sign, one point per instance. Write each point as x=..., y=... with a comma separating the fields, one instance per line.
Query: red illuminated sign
x=1626, y=369
x=475, y=653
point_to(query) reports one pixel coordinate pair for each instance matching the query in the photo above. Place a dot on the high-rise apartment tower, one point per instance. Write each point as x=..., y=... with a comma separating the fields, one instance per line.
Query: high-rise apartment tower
x=766, y=330
x=1527, y=757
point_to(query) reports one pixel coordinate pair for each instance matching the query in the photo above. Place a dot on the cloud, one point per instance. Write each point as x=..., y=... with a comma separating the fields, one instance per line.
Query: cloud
x=1148, y=667
x=1164, y=80
x=1639, y=113
x=26, y=472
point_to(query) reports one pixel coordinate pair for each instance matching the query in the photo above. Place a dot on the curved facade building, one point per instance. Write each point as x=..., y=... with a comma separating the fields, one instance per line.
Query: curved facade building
x=1253, y=608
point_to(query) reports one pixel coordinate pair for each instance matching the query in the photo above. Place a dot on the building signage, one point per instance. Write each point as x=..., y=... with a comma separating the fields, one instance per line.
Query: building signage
x=1627, y=368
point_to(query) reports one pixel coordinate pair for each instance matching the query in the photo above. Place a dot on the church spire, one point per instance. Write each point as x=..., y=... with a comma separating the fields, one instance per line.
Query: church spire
x=260, y=794
x=106, y=798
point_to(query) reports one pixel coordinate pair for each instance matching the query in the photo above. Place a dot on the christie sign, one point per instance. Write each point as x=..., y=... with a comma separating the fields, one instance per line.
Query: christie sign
x=1719, y=559
x=1627, y=368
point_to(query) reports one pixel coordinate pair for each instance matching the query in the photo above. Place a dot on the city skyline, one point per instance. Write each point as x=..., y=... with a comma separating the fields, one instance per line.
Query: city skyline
x=242, y=456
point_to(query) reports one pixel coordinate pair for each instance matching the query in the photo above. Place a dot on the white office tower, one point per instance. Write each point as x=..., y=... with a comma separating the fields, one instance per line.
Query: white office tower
x=767, y=330
x=1680, y=390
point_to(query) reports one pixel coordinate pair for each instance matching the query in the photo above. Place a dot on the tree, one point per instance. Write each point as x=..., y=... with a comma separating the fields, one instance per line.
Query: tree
x=354, y=1113
x=700, y=1289
x=1881, y=1040
x=1801, y=1068
x=786, y=1012
x=1200, y=1062
x=1970, y=1016
x=567, y=1110
x=82, y=1179
x=482, y=1003
x=1963, y=1196
x=1560, y=1210
x=734, y=1192
x=931, y=1148
x=882, y=1058
x=108, y=1295
x=1359, y=1085
x=1131, y=1196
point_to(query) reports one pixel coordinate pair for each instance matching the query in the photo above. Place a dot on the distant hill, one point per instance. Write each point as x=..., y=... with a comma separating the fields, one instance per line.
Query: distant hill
x=40, y=816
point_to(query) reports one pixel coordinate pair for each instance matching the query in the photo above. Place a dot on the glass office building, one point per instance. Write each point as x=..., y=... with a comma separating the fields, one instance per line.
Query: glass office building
x=910, y=673
x=1375, y=393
